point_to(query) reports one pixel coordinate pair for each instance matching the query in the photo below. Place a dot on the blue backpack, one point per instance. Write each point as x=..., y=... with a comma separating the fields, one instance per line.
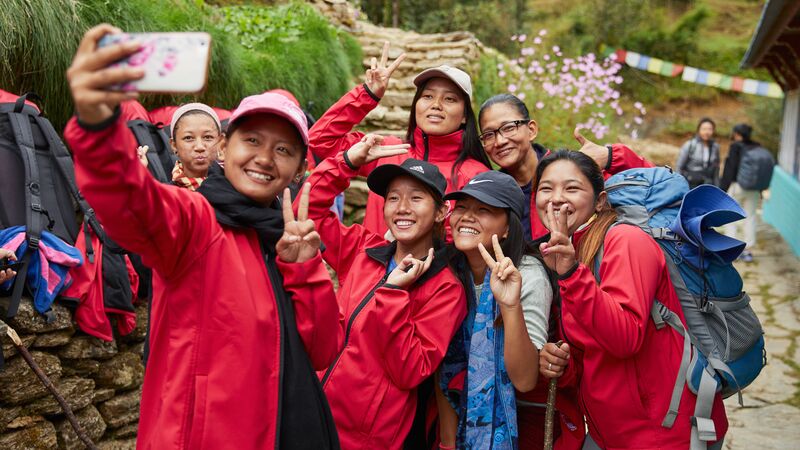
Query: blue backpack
x=724, y=344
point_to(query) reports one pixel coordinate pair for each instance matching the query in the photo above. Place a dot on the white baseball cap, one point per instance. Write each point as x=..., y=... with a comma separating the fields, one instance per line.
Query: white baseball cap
x=457, y=76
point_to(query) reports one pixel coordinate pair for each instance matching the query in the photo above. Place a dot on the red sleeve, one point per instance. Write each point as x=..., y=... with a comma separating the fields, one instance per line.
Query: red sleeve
x=133, y=110
x=342, y=243
x=468, y=169
x=168, y=226
x=317, y=315
x=623, y=158
x=616, y=312
x=333, y=132
x=414, y=344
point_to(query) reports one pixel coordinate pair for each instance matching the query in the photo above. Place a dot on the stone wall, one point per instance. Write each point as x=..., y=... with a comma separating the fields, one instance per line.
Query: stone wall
x=101, y=381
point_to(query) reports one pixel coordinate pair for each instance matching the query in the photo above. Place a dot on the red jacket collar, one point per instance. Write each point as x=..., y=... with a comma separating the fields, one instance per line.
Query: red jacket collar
x=440, y=148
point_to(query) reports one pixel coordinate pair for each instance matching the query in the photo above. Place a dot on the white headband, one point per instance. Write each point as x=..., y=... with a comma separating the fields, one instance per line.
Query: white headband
x=180, y=112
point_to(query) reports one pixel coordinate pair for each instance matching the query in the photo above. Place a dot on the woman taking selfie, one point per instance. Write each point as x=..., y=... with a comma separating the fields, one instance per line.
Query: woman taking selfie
x=401, y=301
x=626, y=362
x=247, y=307
x=441, y=127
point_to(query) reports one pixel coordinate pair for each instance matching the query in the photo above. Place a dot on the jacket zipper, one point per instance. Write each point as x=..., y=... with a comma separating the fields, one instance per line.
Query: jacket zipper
x=271, y=272
x=425, y=142
x=353, y=316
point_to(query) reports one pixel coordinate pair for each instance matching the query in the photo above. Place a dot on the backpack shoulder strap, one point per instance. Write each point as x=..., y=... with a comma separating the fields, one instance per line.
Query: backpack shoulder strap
x=140, y=130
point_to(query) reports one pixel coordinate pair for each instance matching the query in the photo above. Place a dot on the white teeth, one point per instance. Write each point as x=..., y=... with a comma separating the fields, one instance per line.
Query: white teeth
x=259, y=176
x=466, y=230
x=404, y=223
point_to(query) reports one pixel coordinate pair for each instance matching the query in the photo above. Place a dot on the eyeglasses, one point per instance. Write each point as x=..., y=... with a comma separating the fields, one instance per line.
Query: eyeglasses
x=507, y=130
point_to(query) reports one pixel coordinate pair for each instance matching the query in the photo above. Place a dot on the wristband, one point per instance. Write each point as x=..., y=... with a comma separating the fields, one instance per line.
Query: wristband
x=371, y=94
x=569, y=273
x=348, y=162
x=101, y=125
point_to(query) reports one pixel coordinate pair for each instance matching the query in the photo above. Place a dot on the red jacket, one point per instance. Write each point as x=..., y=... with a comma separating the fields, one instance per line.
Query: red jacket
x=212, y=378
x=394, y=338
x=622, y=158
x=629, y=367
x=332, y=134
x=164, y=114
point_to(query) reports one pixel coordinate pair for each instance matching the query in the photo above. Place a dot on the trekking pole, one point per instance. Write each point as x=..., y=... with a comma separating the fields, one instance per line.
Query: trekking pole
x=550, y=410
x=26, y=355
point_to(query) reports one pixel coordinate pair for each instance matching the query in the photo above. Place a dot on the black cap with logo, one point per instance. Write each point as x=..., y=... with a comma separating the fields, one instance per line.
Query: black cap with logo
x=380, y=177
x=495, y=189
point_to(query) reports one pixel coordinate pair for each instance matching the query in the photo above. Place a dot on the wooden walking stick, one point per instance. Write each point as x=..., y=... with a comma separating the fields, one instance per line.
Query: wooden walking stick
x=550, y=411
x=26, y=355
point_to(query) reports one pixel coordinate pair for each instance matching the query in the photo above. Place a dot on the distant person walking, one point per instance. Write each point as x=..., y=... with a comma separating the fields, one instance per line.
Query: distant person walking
x=750, y=166
x=698, y=159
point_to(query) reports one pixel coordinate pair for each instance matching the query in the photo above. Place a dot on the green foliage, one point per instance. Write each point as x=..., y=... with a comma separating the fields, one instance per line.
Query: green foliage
x=283, y=47
x=486, y=82
x=766, y=115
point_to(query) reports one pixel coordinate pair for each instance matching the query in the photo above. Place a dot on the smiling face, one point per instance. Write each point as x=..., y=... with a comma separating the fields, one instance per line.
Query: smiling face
x=262, y=156
x=562, y=183
x=508, y=152
x=473, y=222
x=195, y=141
x=440, y=107
x=410, y=211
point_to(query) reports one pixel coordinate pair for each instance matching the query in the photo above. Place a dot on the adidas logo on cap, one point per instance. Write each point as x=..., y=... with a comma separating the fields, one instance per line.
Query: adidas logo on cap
x=417, y=168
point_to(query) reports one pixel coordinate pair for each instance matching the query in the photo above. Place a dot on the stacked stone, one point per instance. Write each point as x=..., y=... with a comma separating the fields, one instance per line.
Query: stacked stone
x=101, y=381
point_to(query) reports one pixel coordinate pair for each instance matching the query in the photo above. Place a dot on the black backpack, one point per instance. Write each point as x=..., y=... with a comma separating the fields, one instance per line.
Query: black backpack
x=160, y=158
x=755, y=169
x=38, y=188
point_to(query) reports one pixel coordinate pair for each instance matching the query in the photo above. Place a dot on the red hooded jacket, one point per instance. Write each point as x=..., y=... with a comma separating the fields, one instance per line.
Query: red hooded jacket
x=394, y=338
x=332, y=134
x=215, y=368
x=629, y=367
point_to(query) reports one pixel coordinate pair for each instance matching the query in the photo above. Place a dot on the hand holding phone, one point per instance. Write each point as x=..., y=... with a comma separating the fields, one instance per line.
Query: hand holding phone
x=172, y=62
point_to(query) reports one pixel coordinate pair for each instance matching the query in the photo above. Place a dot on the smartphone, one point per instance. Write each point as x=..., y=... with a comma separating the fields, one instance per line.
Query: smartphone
x=173, y=62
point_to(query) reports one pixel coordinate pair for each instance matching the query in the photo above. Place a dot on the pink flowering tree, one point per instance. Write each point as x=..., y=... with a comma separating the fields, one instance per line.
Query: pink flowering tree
x=564, y=92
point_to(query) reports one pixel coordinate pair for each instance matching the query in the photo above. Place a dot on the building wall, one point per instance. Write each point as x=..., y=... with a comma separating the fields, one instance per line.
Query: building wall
x=782, y=209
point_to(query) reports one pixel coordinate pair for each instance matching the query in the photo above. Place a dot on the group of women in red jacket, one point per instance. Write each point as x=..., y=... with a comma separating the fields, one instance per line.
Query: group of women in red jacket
x=452, y=295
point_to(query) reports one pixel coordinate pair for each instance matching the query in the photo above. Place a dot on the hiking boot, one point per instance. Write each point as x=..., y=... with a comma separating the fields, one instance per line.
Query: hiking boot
x=746, y=256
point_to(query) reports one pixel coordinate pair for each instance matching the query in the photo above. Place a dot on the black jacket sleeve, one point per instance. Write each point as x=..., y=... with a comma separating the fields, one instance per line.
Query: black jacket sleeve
x=731, y=165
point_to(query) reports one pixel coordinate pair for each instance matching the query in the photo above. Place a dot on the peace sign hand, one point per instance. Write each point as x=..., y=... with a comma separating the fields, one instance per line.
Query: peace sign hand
x=506, y=281
x=368, y=150
x=558, y=252
x=300, y=241
x=409, y=270
x=377, y=76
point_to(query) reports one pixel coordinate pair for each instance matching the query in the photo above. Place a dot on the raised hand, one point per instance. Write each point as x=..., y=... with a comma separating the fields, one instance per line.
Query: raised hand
x=300, y=241
x=378, y=75
x=141, y=153
x=409, y=270
x=558, y=253
x=599, y=153
x=369, y=149
x=506, y=281
x=553, y=359
x=89, y=75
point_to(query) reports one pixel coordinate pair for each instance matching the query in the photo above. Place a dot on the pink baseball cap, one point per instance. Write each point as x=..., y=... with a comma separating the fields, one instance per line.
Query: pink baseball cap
x=272, y=103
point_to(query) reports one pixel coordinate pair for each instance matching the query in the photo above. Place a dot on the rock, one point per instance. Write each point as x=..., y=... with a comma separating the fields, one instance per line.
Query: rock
x=41, y=436
x=125, y=432
x=24, y=422
x=88, y=347
x=357, y=193
x=124, y=371
x=53, y=339
x=102, y=395
x=137, y=349
x=10, y=350
x=7, y=415
x=129, y=444
x=18, y=383
x=140, y=332
x=90, y=420
x=79, y=367
x=771, y=427
x=121, y=410
x=78, y=393
x=28, y=320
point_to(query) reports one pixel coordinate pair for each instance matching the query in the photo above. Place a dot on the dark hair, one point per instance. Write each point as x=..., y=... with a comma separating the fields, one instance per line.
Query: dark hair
x=233, y=126
x=744, y=130
x=508, y=99
x=593, y=239
x=193, y=112
x=470, y=144
x=706, y=120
